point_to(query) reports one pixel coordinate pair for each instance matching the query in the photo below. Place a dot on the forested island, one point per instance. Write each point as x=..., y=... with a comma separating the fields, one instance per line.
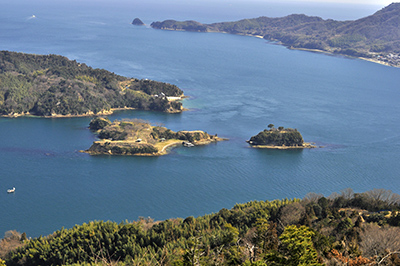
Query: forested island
x=376, y=37
x=137, y=22
x=279, y=138
x=54, y=86
x=345, y=228
x=138, y=137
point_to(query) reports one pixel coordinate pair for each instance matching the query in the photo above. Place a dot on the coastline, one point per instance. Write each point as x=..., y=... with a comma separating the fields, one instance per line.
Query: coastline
x=87, y=114
x=296, y=48
x=239, y=34
x=306, y=145
x=377, y=61
x=163, y=148
x=372, y=60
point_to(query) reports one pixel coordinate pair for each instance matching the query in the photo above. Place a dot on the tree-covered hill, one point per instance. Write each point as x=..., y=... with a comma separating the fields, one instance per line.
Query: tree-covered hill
x=51, y=85
x=344, y=229
x=375, y=36
x=278, y=137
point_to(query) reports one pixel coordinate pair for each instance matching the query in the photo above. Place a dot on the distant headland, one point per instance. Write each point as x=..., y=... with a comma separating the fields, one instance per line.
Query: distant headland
x=279, y=138
x=375, y=38
x=54, y=86
x=137, y=137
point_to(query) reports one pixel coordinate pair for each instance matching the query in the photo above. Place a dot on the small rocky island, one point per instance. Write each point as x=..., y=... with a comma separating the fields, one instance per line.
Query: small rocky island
x=138, y=137
x=137, y=22
x=280, y=138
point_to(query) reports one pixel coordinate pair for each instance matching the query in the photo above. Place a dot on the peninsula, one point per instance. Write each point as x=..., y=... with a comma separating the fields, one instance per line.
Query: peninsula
x=137, y=137
x=375, y=37
x=54, y=86
x=281, y=138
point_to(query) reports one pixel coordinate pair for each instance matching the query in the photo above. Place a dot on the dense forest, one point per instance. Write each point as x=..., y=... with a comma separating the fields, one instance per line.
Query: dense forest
x=49, y=85
x=375, y=34
x=345, y=228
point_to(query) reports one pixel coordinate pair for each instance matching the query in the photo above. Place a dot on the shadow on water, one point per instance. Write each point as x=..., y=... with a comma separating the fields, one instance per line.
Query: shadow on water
x=123, y=158
x=276, y=153
x=279, y=158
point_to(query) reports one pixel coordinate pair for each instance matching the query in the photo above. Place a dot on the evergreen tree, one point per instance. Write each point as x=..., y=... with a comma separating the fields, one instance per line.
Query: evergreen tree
x=296, y=248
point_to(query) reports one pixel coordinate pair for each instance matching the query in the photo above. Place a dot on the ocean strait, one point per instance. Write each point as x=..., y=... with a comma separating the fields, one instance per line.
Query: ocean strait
x=237, y=86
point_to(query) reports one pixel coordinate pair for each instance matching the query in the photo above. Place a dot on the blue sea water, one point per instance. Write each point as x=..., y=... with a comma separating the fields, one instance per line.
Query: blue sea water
x=237, y=86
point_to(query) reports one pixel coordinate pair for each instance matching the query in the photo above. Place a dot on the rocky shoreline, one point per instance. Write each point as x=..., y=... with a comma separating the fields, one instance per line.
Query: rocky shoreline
x=305, y=145
x=87, y=114
x=139, y=138
x=104, y=147
x=279, y=138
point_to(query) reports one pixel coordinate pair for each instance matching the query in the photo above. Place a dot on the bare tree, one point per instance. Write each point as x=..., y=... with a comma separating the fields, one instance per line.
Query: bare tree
x=249, y=240
x=347, y=193
x=376, y=240
x=394, y=199
x=292, y=213
x=380, y=194
x=334, y=196
x=312, y=197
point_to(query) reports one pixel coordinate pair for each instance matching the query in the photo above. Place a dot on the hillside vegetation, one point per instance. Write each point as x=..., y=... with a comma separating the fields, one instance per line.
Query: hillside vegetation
x=138, y=137
x=376, y=36
x=279, y=138
x=52, y=85
x=344, y=229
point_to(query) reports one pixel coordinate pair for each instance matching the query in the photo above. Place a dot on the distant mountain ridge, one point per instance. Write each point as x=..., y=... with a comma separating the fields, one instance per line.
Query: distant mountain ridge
x=376, y=36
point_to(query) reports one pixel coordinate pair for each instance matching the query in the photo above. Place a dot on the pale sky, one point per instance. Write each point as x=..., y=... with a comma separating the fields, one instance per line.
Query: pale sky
x=363, y=2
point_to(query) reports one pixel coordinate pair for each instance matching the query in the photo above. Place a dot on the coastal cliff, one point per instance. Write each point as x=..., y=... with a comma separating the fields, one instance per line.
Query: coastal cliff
x=375, y=37
x=137, y=137
x=281, y=138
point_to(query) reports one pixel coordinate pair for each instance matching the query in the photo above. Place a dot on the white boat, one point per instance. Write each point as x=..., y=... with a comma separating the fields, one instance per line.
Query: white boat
x=11, y=190
x=187, y=144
